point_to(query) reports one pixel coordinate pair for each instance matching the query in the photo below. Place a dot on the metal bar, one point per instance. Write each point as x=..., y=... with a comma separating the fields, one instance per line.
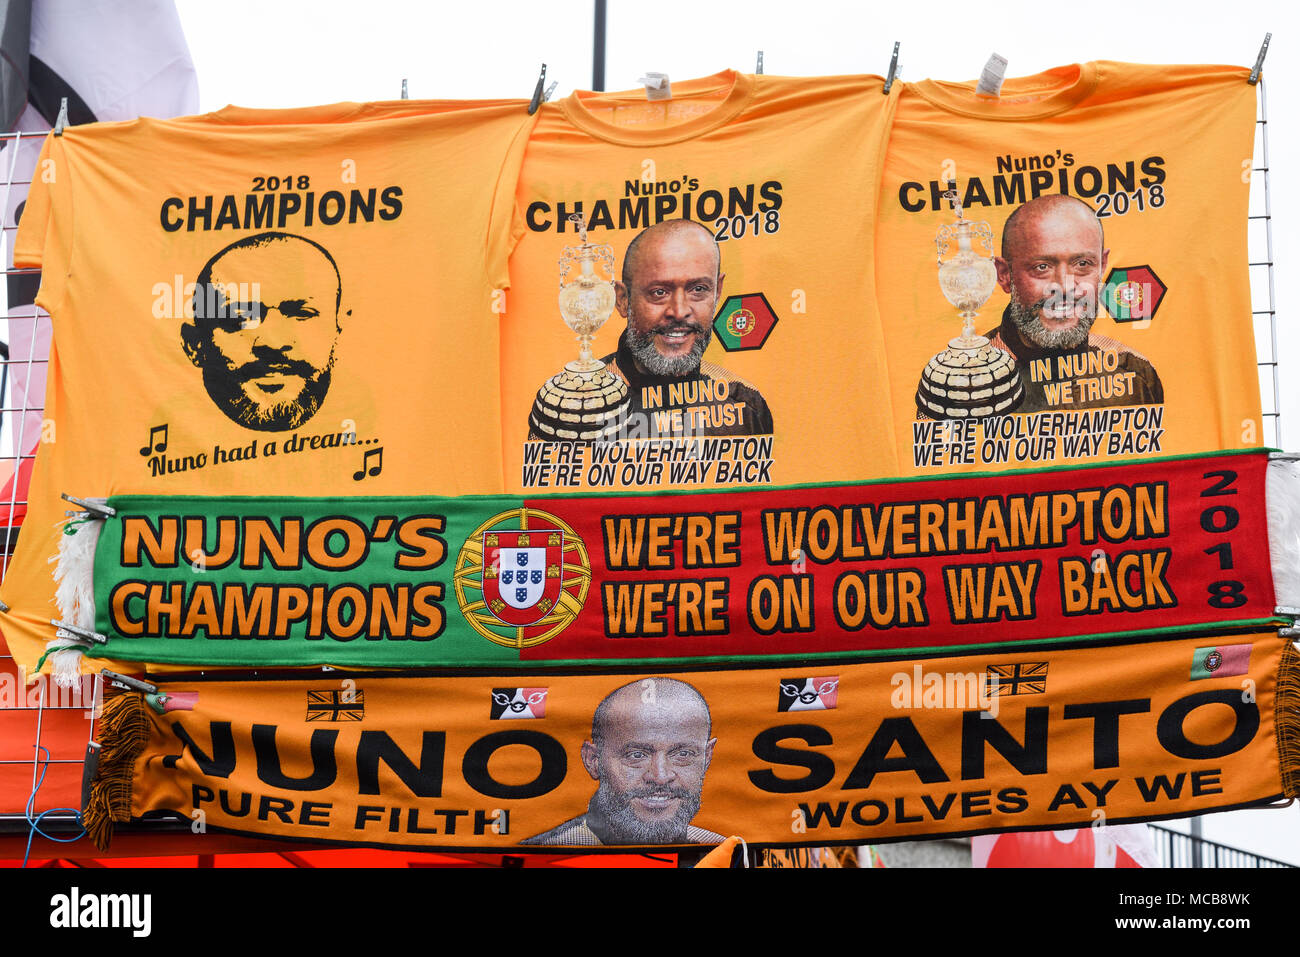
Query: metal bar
x=598, y=47
x=96, y=702
x=62, y=707
x=13, y=163
x=1268, y=237
x=1179, y=847
x=18, y=433
x=36, y=748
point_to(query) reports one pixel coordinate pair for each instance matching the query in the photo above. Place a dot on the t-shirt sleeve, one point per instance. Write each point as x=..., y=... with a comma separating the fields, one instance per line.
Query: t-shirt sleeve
x=33, y=223
x=45, y=232
x=506, y=224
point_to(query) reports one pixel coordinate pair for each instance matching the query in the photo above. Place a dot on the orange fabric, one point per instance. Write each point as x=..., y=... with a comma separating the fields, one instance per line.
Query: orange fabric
x=344, y=112
x=902, y=752
x=721, y=855
x=781, y=172
x=1161, y=155
x=133, y=212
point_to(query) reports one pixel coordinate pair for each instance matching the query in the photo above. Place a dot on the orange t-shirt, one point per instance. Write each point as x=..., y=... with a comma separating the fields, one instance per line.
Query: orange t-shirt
x=296, y=308
x=1131, y=185
x=742, y=327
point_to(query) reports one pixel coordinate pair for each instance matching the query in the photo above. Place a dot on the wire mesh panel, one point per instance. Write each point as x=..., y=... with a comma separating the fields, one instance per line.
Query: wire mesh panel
x=26, y=343
x=1263, y=301
x=44, y=730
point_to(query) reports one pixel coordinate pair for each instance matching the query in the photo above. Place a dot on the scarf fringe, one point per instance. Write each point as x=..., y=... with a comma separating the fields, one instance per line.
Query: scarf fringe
x=74, y=576
x=1282, y=497
x=1286, y=707
x=123, y=734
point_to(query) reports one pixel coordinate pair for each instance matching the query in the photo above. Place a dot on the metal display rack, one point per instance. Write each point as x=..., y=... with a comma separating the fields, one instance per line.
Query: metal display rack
x=66, y=751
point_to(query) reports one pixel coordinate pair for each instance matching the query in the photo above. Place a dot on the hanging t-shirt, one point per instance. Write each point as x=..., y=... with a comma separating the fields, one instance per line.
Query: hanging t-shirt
x=266, y=309
x=345, y=112
x=729, y=294
x=1111, y=285
x=35, y=212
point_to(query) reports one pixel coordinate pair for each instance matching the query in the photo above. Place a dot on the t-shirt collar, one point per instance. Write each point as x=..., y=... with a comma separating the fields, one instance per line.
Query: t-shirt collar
x=739, y=89
x=1022, y=98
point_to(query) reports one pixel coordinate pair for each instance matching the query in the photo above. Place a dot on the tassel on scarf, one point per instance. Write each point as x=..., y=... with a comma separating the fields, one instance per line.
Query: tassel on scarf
x=1286, y=710
x=1282, y=495
x=74, y=574
x=123, y=734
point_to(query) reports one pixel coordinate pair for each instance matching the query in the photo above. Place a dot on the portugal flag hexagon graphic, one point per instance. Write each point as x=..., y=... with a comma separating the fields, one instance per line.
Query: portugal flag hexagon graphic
x=744, y=322
x=1133, y=293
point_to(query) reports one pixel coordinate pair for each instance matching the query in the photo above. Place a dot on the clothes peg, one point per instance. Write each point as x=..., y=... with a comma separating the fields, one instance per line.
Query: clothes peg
x=404, y=94
x=535, y=103
x=81, y=635
x=759, y=69
x=1259, y=61
x=97, y=509
x=893, y=69
x=62, y=120
x=127, y=683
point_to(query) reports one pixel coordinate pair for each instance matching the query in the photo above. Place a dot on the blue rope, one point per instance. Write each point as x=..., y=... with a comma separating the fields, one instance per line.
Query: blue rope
x=35, y=822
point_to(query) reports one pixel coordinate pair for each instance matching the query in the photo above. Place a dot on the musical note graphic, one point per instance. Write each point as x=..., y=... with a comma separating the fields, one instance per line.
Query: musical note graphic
x=375, y=469
x=151, y=448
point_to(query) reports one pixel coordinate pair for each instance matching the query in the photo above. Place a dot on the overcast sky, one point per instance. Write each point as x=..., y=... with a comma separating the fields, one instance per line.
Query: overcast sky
x=285, y=54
